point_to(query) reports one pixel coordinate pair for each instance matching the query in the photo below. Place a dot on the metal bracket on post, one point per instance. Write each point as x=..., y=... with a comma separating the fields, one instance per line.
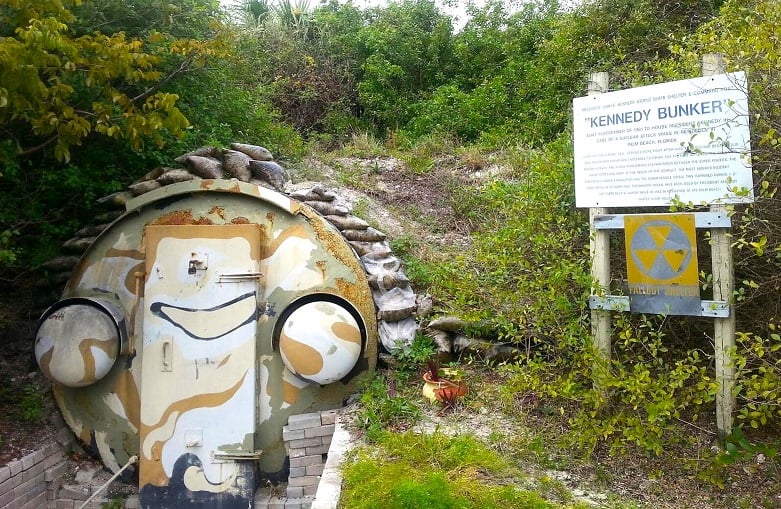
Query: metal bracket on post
x=701, y=220
x=621, y=303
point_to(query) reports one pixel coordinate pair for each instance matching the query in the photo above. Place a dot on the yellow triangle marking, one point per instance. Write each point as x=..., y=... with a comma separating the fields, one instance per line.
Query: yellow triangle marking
x=659, y=234
x=675, y=258
x=647, y=257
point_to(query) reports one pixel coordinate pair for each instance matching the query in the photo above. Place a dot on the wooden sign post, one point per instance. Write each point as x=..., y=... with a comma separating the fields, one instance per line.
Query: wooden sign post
x=599, y=244
x=723, y=285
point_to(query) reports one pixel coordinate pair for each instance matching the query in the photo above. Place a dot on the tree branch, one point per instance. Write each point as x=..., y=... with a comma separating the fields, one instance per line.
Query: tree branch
x=184, y=67
x=32, y=150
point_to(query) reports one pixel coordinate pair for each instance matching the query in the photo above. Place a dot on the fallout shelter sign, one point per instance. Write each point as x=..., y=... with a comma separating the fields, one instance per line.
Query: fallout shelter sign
x=661, y=254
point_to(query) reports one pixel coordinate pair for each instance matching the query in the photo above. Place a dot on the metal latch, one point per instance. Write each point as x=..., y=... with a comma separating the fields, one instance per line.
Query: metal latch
x=239, y=277
x=198, y=261
x=166, y=359
x=237, y=455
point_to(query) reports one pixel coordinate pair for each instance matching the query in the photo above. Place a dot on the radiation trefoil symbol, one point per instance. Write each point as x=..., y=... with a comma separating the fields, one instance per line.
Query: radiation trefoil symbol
x=662, y=251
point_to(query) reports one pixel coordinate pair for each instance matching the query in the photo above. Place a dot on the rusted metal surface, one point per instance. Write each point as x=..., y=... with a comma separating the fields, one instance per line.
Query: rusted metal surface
x=180, y=217
x=218, y=211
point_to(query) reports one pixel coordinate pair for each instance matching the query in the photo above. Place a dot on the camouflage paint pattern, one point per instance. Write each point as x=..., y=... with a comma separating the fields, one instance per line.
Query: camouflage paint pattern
x=199, y=348
x=82, y=338
x=323, y=354
x=210, y=274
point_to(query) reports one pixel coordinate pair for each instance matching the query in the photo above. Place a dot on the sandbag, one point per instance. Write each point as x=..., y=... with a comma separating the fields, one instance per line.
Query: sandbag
x=379, y=263
x=367, y=235
x=174, y=176
x=144, y=187
x=92, y=230
x=253, y=151
x=61, y=263
x=348, y=222
x=397, y=335
x=78, y=244
x=204, y=167
x=199, y=152
x=442, y=339
x=236, y=164
x=152, y=175
x=329, y=208
x=388, y=281
x=396, y=304
x=317, y=193
x=270, y=172
x=448, y=323
x=118, y=199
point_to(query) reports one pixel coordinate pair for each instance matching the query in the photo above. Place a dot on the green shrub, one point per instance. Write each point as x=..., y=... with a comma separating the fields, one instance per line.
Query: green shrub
x=756, y=228
x=409, y=54
x=636, y=400
x=414, y=358
x=758, y=363
x=527, y=270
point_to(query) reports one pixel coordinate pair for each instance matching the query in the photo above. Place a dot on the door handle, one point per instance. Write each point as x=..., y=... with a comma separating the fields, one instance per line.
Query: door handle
x=167, y=357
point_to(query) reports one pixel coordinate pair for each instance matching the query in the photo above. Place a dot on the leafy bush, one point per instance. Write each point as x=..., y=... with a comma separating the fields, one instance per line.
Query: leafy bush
x=756, y=228
x=758, y=363
x=414, y=358
x=465, y=115
x=637, y=399
x=223, y=109
x=409, y=46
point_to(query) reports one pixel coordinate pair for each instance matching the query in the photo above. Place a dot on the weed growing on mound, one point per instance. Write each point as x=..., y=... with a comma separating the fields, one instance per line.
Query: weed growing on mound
x=382, y=407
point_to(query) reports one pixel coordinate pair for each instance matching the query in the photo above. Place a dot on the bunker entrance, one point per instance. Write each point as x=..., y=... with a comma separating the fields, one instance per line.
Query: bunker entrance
x=198, y=367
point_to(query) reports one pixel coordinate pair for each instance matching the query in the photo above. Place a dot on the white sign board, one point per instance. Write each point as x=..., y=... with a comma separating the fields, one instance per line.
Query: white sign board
x=649, y=146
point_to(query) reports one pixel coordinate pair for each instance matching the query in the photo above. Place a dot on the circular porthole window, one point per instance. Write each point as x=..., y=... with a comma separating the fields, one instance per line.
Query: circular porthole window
x=320, y=340
x=77, y=342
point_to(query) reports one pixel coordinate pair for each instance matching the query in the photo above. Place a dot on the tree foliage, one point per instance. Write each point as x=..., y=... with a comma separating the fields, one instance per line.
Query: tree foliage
x=410, y=53
x=79, y=98
x=188, y=19
x=746, y=34
x=58, y=87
